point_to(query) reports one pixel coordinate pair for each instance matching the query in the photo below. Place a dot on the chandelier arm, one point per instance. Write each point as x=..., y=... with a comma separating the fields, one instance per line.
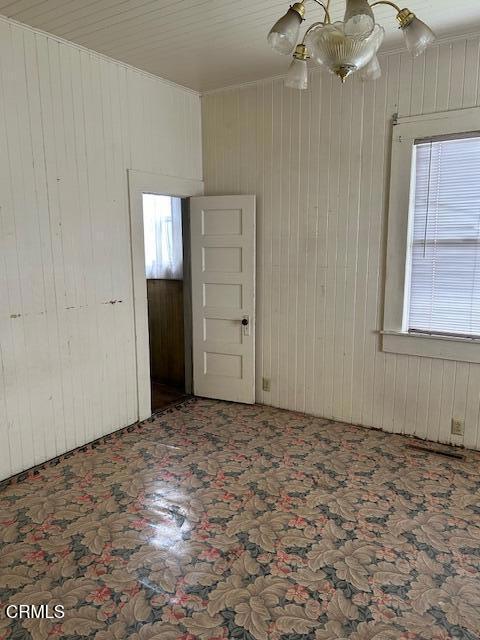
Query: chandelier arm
x=387, y=2
x=311, y=27
x=325, y=8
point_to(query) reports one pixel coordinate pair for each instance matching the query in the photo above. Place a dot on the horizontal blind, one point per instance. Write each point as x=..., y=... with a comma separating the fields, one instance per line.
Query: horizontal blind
x=445, y=245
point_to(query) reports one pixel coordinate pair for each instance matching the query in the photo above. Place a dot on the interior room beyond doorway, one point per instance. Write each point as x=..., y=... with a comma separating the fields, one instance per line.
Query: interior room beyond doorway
x=162, y=217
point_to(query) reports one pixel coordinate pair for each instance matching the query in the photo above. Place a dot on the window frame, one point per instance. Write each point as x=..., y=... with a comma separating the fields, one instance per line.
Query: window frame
x=395, y=339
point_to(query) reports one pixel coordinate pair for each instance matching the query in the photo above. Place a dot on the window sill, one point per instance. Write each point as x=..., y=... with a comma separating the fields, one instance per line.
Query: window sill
x=443, y=347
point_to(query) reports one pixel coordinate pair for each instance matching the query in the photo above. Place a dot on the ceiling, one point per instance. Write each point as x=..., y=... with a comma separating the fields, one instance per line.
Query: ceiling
x=205, y=44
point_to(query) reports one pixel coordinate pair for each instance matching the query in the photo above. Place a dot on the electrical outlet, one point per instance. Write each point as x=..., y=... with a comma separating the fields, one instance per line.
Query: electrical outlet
x=458, y=427
x=266, y=384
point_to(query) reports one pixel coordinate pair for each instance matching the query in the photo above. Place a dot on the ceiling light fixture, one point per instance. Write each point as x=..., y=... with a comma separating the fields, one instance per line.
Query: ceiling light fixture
x=283, y=35
x=343, y=47
x=372, y=70
x=358, y=20
x=297, y=76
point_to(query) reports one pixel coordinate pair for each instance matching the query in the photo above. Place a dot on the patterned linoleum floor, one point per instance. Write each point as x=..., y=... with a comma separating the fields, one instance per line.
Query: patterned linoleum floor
x=226, y=521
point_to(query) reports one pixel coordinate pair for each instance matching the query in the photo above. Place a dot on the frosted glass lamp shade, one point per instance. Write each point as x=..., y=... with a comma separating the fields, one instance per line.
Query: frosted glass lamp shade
x=359, y=20
x=283, y=35
x=297, y=76
x=372, y=70
x=417, y=36
x=342, y=54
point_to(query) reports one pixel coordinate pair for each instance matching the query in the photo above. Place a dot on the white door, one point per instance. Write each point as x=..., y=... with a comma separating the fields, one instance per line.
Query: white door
x=223, y=297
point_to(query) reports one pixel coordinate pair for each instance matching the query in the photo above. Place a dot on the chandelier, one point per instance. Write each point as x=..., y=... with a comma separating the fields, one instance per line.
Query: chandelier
x=343, y=47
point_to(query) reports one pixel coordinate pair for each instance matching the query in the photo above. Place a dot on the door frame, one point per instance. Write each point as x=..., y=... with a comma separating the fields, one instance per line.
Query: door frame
x=140, y=182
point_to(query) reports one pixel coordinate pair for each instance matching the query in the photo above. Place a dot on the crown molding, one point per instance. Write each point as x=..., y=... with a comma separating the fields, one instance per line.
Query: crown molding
x=385, y=52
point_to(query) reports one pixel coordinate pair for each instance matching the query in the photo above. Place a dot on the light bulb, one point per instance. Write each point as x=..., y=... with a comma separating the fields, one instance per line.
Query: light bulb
x=283, y=35
x=359, y=20
x=417, y=36
x=371, y=71
x=297, y=76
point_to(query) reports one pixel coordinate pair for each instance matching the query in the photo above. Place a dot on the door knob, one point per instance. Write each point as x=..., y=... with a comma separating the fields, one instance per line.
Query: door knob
x=246, y=325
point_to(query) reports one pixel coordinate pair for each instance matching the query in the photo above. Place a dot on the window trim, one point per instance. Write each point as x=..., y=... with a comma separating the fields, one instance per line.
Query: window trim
x=395, y=340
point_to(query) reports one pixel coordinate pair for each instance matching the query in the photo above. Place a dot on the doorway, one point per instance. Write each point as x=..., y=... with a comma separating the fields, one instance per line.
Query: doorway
x=164, y=272
x=140, y=183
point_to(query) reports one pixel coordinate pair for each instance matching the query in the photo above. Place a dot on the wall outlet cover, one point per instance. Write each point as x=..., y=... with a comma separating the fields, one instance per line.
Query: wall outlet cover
x=266, y=384
x=458, y=427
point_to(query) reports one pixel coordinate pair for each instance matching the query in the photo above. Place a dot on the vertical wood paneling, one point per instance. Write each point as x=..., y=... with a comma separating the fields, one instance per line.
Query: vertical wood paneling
x=321, y=161
x=71, y=124
x=166, y=332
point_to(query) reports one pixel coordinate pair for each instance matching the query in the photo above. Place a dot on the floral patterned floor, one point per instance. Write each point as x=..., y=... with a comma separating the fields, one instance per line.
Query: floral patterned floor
x=226, y=521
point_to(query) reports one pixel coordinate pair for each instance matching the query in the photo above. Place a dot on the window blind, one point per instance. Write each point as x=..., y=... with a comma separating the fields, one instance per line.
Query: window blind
x=444, y=261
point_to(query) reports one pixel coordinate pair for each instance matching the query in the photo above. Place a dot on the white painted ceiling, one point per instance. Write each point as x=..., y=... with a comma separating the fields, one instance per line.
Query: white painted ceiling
x=206, y=44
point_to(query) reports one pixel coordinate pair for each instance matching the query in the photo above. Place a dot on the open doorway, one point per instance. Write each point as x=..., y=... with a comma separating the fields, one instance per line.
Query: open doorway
x=164, y=271
x=140, y=183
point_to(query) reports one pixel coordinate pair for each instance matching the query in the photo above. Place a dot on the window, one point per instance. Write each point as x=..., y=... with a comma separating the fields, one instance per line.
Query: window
x=432, y=291
x=444, y=252
x=162, y=225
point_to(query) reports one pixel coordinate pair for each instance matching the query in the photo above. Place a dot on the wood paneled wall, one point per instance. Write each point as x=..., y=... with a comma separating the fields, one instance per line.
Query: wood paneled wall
x=319, y=164
x=71, y=124
x=167, y=339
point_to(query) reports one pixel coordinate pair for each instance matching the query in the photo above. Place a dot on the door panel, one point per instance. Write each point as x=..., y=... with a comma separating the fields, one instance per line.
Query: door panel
x=223, y=297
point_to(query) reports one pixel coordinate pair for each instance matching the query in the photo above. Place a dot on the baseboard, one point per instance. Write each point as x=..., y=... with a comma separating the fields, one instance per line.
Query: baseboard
x=21, y=476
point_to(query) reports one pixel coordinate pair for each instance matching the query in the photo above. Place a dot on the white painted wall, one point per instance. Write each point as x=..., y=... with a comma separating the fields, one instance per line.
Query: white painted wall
x=71, y=124
x=319, y=164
